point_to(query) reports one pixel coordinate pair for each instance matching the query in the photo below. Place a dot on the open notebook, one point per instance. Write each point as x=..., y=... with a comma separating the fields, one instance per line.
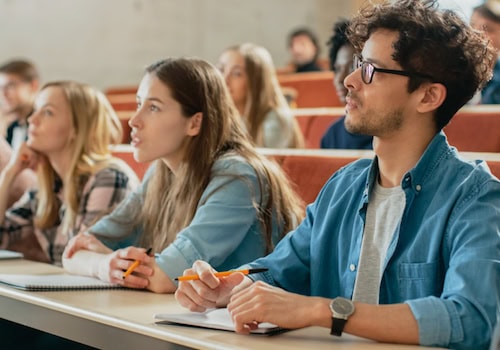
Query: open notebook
x=54, y=282
x=9, y=254
x=213, y=319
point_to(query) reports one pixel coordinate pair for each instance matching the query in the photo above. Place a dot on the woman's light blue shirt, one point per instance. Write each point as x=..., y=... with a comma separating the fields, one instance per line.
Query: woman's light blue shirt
x=225, y=230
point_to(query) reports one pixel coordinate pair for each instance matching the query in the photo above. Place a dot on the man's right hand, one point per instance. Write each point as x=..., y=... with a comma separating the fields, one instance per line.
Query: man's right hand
x=209, y=291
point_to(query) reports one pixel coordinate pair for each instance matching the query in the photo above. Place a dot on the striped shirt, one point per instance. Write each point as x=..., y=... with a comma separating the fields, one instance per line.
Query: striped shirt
x=101, y=193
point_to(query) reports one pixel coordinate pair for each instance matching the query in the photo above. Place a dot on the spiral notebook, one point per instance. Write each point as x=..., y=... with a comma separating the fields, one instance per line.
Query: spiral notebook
x=213, y=319
x=55, y=282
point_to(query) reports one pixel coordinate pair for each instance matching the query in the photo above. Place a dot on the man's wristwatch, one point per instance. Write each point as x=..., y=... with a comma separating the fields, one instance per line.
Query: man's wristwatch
x=341, y=309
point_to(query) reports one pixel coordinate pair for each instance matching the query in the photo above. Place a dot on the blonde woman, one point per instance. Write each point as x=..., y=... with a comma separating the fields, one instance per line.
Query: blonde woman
x=209, y=195
x=251, y=78
x=69, y=135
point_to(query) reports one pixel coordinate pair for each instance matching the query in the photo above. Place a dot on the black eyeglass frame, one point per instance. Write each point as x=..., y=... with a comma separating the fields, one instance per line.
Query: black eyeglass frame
x=359, y=63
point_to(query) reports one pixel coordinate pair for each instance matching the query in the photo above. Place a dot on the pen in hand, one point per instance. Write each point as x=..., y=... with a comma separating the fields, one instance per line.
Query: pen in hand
x=134, y=265
x=221, y=274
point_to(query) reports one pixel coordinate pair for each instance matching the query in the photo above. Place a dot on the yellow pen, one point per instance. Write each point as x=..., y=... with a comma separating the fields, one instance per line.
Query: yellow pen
x=221, y=274
x=134, y=265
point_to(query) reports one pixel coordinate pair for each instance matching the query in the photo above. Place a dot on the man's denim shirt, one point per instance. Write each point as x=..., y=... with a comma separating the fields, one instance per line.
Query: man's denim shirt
x=443, y=260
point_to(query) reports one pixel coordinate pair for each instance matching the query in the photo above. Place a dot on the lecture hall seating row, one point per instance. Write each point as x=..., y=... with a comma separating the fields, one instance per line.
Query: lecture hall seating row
x=314, y=89
x=309, y=169
x=472, y=129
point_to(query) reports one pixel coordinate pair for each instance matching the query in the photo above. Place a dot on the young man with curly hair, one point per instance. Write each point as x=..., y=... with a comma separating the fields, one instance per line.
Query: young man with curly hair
x=402, y=248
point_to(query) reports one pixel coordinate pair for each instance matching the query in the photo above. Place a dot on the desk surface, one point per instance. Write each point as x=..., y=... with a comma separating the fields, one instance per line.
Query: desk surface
x=124, y=318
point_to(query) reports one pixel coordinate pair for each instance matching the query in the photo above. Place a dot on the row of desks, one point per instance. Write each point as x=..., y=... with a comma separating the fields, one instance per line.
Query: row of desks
x=112, y=319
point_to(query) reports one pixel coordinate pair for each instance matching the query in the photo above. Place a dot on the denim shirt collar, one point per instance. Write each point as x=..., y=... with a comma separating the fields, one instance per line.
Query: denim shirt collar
x=437, y=150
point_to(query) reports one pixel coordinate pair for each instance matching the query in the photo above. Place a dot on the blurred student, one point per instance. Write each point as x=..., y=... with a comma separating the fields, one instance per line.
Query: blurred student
x=250, y=76
x=69, y=134
x=19, y=83
x=209, y=194
x=402, y=248
x=341, y=63
x=304, y=49
x=486, y=18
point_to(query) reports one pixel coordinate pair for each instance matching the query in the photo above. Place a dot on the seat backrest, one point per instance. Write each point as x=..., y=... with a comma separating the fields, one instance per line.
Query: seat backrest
x=475, y=130
x=314, y=122
x=313, y=89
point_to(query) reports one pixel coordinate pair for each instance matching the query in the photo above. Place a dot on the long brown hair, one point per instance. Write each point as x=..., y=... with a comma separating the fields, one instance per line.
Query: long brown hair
x=265, y=95
x=170, y=202
x=96, y=126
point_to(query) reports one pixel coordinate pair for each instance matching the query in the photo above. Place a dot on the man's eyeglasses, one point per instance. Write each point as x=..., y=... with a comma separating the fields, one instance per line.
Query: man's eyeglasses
x=368, y=70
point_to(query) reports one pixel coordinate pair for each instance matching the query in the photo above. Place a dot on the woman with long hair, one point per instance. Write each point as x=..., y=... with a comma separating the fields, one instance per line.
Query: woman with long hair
x=69, y=134
x=208, y=195
x=250, y=75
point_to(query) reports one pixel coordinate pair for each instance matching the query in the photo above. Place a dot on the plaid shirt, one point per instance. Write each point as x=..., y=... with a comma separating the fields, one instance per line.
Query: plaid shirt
x=101, y=193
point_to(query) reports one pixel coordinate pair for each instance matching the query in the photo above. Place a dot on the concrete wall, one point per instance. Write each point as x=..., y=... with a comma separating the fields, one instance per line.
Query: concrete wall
x=108, y=42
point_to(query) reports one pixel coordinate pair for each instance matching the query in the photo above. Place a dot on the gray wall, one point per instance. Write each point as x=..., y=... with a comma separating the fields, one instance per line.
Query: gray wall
x=108, y=42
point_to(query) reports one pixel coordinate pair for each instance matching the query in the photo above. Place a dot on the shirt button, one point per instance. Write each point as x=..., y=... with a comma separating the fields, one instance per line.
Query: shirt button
x=352, y=267
x=418, y=188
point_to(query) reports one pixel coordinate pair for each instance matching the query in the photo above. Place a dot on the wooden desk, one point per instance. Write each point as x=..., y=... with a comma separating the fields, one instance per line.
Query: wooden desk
x=112, y=319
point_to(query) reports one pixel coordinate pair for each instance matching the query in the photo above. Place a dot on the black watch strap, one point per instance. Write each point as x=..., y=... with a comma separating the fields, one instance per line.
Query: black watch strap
x=337, y=326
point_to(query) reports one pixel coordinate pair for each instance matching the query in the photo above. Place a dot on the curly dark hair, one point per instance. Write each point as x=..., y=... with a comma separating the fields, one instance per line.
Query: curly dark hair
x=435, y=42
x=337, y=40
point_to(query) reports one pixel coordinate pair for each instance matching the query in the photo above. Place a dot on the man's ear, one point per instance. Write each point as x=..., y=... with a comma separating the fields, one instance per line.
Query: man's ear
x=194, y=125
x=433, y=97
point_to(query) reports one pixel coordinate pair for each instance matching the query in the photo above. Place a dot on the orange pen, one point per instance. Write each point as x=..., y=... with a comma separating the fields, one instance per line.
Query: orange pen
x=221, y=274
x=134, y=265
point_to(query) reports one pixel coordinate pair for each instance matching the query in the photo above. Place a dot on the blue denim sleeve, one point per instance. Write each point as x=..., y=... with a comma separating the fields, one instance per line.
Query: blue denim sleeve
x=289, y=263
x=464, y=316
x=224, y=225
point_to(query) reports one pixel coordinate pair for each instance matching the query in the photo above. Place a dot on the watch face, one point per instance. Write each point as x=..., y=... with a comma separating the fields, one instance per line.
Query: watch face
x=343, y=306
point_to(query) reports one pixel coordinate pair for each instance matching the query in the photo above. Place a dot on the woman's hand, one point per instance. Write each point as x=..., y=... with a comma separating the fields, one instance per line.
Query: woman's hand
x=84, y=241
x=24, y=158
x=114, y=266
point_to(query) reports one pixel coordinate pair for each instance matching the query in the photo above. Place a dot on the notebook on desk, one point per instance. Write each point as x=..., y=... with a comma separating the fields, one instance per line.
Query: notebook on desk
x=54, y=282
x=9, y=254
x=213, y=319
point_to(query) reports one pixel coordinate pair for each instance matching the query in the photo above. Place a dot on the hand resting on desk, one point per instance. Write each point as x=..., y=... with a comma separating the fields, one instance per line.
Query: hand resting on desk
x=250, y=303
x=86, y=255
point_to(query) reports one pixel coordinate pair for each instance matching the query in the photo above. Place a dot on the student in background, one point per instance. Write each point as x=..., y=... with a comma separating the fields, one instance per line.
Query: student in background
x=250, y=76
x=69, y=134
x=486, y=18
x=19, y=83
x=391, y=248
x=304, y=49
x=341, y=62
x=209, y=194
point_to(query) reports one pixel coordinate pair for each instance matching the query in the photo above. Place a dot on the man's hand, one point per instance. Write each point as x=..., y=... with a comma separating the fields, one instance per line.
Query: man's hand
x=209, y=291
x=264, y=303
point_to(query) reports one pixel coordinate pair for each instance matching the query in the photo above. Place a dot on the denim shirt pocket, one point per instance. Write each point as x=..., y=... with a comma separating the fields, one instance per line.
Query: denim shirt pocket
x=417, y=280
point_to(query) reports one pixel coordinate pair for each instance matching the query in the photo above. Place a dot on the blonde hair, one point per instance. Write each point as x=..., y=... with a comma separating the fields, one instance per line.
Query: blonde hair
x=265, y=95
x=95, y=126
x=171, y=201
